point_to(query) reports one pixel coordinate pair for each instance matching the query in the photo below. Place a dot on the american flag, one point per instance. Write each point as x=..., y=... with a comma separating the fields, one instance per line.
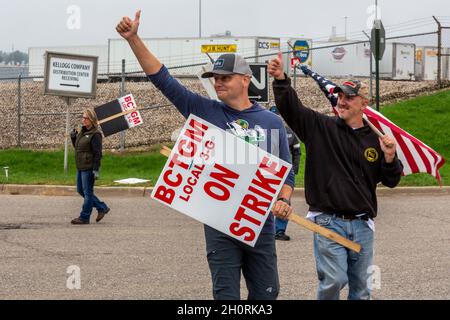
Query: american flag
x=415, y=155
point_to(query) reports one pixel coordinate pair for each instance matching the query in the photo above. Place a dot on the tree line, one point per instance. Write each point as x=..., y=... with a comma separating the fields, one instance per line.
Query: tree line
x=16, y=57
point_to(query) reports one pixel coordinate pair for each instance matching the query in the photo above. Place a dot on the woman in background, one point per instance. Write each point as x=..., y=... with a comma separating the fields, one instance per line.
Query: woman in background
x=88, y=154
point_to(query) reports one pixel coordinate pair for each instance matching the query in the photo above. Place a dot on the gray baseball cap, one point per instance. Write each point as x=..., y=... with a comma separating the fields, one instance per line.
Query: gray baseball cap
x=229, y=63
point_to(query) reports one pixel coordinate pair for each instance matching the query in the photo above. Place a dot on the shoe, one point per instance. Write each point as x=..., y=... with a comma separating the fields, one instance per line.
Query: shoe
x=79, y=221
x=282, y=236
x=100, y=215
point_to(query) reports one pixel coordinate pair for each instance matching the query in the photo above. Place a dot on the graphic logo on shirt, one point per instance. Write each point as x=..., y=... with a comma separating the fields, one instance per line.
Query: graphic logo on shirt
x=240, y=128
x=371, y=154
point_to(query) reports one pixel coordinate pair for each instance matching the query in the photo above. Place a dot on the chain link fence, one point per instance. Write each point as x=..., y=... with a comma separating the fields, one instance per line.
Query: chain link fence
x=31, y=120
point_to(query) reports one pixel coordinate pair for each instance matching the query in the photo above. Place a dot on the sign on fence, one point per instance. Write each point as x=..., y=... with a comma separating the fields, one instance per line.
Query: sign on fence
x=259, y=86
x=203, y=180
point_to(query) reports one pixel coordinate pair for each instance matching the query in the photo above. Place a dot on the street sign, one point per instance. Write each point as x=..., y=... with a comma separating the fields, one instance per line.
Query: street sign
x=378, y=37
x=295, y=62
x=70, y=75
x=259, y=86
x=378, y=45
x=301, y=50
x=204, y=180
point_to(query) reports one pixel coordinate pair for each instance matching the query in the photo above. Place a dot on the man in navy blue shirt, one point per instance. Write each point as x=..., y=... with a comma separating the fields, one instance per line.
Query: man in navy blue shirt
x=227, y=257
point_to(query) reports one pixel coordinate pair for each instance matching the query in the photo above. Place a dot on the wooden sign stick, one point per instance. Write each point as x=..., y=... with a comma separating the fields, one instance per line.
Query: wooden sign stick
x=374, y=129
x=306, y=223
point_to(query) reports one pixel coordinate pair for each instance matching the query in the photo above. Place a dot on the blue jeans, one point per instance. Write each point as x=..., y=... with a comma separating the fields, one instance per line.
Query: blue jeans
x=228, y=257
x=337, y=265
x=280, y=225
x=85, y=187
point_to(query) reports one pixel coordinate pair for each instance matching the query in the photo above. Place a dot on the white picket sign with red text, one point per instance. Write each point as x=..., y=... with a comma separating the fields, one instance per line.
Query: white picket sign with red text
x=128, y=103
x=204, y=180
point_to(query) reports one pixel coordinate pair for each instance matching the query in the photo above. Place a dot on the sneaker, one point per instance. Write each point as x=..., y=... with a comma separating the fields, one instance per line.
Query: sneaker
x=100, y=215
x=282, y=236
x=79, y=221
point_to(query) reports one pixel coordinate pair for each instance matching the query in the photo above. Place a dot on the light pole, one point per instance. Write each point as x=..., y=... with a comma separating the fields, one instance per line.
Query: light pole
x=345, y=18
x=376, y=9
x=370, y=44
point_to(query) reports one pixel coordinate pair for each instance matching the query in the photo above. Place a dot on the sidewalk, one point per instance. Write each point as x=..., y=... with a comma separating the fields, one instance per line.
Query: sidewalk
x=54, y=190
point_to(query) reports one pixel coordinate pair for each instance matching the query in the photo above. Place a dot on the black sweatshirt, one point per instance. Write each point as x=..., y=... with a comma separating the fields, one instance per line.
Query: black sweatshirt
x=294, y=148
x=343, y=165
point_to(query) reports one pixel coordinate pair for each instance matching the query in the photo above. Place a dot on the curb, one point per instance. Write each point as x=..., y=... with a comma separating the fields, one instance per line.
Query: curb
x=54, y=190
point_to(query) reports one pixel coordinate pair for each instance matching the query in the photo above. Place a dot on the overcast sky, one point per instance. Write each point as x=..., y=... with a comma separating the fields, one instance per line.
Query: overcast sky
x=28, y=23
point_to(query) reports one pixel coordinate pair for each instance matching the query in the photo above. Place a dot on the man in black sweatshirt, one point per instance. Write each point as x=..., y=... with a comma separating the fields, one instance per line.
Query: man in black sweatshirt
x=345, y=160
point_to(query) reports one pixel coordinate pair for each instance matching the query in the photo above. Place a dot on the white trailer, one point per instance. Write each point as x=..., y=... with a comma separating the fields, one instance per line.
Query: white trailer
x=340, y=59
x=429, y=65
x=177, y=52
x=37, y=59
x=398, y=61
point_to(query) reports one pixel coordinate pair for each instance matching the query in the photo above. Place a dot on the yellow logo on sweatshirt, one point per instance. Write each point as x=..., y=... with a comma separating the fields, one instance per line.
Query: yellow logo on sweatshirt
x=371, y=154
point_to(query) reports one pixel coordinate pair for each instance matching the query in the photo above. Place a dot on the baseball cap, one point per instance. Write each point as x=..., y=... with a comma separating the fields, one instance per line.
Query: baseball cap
x=352, y=88
x=229, y=63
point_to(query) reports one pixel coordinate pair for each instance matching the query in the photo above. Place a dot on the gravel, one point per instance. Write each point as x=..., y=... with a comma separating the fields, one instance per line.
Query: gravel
x=47, y=131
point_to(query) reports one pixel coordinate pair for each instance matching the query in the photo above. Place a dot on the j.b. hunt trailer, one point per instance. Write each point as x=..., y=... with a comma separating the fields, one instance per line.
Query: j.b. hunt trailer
x=176, y=52
x=332, y=59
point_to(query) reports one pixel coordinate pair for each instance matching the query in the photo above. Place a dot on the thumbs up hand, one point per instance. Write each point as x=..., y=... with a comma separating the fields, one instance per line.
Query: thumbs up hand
x=275, y=67
x=128, y=28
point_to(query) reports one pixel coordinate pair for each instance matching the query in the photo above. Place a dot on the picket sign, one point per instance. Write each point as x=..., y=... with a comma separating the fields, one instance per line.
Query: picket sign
x=221, y=180
x=164, y=197
x=118, y=115
x=308, y=224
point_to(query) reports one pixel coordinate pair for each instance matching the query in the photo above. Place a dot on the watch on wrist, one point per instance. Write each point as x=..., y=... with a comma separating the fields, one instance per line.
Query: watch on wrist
x=284, y=200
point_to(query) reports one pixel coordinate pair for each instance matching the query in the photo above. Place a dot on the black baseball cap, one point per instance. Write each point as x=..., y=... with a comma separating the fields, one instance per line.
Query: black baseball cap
x=229, y=63
x=352, y=88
